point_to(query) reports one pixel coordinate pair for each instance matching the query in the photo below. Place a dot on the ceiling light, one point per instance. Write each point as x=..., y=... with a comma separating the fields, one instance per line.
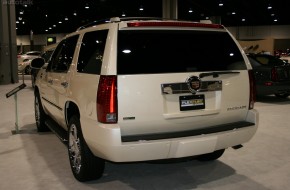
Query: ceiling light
x=87, y=6
x=17, y=22
x=46, y=15
x=46, y=30
x=243, y=20
x=275, y=20
x=233, y=13
x=54, y=25
x=75, y=13
x=23, y=22
x=126, y=51
x=221, y=4
x=50, y=28
x=59, y=22
x=65, y=18
x=141, y=8
x=123, y=14
x=190, y=10
x=25, y=5
x=269, y=7
x=19, y=18
x=273, y=14
x=21, y=12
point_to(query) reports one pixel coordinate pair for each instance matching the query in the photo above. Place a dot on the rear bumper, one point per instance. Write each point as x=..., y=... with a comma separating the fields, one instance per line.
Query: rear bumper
x=105, y=142
x=275, y=88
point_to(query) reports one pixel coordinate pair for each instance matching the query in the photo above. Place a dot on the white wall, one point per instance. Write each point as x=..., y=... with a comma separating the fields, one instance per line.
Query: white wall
x=260, y=32
x=37, y=39
x=268, y=38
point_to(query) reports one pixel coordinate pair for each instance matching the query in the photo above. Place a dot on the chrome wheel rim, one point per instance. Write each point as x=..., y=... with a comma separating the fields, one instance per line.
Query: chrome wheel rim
x=75, y=149
x=37, y=112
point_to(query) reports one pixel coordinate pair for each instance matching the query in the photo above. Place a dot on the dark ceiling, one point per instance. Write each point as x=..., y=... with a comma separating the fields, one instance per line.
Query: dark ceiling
x=44, y=16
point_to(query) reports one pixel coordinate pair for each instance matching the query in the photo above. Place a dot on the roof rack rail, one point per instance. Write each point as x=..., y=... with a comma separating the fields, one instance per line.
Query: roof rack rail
x=141, y=18
x=118, y=19
x=96, y=22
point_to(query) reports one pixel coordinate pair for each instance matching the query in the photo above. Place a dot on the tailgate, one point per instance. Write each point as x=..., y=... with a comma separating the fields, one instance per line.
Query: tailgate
x=283, y=73
x=161, y=104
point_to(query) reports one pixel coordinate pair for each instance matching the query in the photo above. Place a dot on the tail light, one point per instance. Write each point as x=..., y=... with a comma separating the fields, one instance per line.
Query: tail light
x=274, y=74
x=252, y=90
x=107, y=99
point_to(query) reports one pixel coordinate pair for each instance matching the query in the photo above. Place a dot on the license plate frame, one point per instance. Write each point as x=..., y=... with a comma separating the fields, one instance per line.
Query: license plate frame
x=191, y=102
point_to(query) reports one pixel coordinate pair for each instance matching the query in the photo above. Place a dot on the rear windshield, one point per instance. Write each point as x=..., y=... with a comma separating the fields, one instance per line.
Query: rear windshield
x=268, y=60
x=166, y=51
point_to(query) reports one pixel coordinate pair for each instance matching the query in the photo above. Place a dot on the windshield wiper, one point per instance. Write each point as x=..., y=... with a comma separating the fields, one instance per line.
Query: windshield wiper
x=216, y=74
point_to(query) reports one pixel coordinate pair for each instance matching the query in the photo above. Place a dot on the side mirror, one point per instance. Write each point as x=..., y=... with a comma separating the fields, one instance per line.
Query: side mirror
x=37, y=63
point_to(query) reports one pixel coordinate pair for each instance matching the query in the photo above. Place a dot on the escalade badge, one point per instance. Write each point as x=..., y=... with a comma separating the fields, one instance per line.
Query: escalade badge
x=193, y=84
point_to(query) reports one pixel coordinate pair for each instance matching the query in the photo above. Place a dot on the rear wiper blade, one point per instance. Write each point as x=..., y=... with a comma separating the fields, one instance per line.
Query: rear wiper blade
x=216, y=74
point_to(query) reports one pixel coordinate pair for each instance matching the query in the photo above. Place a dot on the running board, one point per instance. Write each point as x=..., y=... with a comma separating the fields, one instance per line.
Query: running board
x=58, y=130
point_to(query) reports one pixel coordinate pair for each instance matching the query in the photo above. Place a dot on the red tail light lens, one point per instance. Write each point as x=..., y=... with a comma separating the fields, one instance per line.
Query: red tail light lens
x=268, y=83
x=107, y=99
x=252, y=90
x=274, y=75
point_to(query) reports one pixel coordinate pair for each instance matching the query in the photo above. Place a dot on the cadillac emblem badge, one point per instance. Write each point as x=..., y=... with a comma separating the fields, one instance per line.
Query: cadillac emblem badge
x=193, y=83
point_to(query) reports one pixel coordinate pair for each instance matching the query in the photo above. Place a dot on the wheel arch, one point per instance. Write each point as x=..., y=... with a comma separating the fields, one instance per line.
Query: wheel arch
x=71, y=109
x=36, y=90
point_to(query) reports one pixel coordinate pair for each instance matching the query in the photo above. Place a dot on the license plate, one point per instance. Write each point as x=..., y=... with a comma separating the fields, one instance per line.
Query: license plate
x=192, y=102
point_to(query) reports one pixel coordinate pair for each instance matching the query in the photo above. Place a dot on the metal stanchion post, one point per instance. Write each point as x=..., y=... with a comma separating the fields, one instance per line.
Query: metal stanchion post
x=14, y=92
x=23, y=77
x=16, y=114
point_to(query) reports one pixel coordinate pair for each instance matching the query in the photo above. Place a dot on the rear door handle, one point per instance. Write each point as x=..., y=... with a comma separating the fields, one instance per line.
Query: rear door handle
x=64, y=84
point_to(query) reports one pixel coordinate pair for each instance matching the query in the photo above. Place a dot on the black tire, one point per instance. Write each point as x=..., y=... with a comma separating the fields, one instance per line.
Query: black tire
x=40, y=115
x=27, y=70
x=32, y=80
x=84, y=165
x=282, y=95
x=211, y=156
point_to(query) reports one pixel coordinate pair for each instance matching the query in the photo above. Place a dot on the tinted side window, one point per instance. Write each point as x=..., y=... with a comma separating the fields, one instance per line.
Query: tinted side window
x=46, y=55
x=275, y=61
x=63, y=55
x=91, y=53
x=269, y=60
x=253, y=62
x=165, y=51
x=263, y=60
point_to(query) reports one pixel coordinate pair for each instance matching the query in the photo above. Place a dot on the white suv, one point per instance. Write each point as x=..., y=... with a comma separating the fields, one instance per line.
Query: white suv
x=136, y=90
